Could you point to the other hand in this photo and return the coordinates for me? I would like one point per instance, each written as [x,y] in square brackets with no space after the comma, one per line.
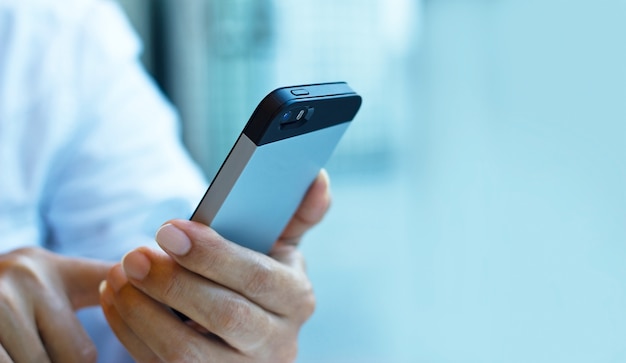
[39,293]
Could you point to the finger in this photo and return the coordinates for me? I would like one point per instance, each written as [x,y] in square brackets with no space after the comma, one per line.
[81,278]
[18,333]
[135,346]
[235,319]
[291,256]
[73,344]
[314,206]
[154,324]
[4,356]
[261,279]
[24,346]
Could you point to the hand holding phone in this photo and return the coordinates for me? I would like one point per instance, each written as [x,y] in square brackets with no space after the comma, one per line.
[258,188]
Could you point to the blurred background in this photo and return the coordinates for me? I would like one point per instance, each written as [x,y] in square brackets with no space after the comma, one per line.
[480,195]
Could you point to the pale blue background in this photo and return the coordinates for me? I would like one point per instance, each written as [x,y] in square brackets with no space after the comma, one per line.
[499,234]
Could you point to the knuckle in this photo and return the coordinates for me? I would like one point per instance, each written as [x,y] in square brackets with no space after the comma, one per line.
[174,356]
[173,289]
[308,301]
[8,301]
[89,353]
[211,249]
[260,280]
[232,316]
[21,266]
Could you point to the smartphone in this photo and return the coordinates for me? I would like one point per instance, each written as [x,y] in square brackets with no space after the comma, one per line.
[288,139]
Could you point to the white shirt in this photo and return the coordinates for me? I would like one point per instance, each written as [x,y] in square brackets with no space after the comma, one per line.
[90,159]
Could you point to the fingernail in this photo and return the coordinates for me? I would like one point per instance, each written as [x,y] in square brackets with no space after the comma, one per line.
[102,286]
[136,265]
[326,177]
[172,239]
[117,279]
[106,297]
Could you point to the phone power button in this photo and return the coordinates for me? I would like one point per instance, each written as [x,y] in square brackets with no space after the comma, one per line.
[299,92]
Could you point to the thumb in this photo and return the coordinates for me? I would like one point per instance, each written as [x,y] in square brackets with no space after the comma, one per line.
[312,209]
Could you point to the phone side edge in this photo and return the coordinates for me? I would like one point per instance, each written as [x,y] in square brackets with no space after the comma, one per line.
[224,180]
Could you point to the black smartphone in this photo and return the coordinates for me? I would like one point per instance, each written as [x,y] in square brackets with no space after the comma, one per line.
[288,139]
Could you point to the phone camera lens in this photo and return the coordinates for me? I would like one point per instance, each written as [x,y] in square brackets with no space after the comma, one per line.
[286,116]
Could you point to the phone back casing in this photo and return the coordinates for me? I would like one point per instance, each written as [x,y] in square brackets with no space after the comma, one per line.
[274,161]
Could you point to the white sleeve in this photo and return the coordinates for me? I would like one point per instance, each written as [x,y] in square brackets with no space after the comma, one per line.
[123,171]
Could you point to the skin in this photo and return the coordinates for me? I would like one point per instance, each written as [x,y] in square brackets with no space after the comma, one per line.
[39,293]
[244,306]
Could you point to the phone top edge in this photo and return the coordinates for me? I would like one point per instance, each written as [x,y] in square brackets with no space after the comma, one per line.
[313,90]
[333,103]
